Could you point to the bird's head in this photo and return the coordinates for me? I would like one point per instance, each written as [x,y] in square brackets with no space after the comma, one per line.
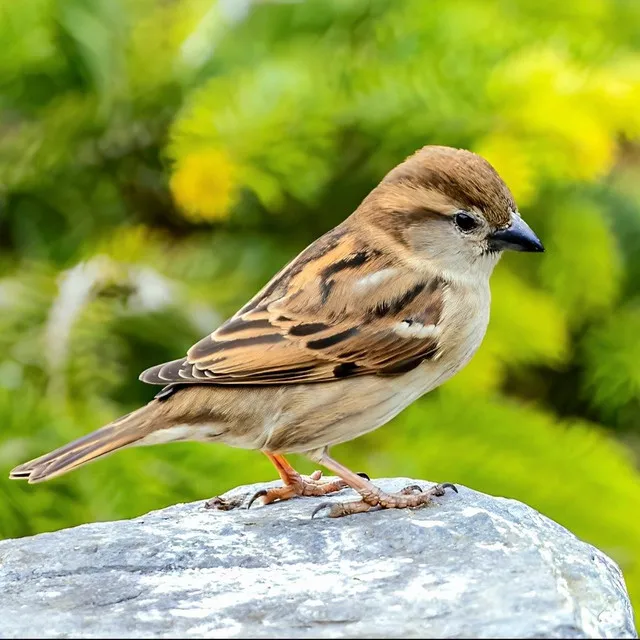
[451,208]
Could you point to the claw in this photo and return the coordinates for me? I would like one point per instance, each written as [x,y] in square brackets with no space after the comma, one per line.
[320,507]
[448,485]
[258,494]
[411,488]
[362,474]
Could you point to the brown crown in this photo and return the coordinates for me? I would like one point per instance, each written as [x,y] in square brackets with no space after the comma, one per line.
[463,177]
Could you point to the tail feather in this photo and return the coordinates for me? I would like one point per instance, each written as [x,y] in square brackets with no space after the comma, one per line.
[122,433]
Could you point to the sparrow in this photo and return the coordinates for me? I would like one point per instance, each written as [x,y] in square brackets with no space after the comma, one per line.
[380,310]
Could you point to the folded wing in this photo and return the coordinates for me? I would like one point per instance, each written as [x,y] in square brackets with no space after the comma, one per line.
[339,309]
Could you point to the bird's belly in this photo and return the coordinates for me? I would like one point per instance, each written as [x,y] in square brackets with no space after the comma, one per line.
[330,414]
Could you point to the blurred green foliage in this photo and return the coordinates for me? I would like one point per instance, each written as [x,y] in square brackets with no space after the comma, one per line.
[160,160]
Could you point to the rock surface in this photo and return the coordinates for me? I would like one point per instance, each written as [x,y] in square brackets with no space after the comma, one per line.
[472,566]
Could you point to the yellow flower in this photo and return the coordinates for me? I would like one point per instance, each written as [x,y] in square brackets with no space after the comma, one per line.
[204,184]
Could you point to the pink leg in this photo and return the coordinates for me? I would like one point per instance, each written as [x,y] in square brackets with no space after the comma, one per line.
[373,497]
[294,483]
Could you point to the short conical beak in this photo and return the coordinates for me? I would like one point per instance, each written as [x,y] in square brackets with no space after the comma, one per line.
[516,237]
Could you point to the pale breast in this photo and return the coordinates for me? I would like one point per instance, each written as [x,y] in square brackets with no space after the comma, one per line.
[464,324]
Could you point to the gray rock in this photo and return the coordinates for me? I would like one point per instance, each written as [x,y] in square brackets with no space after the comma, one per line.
[471,566]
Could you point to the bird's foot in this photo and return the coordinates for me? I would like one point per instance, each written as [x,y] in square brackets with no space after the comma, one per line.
[298,485]
[409,498]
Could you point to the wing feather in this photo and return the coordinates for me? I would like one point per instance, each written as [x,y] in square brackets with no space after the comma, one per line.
[329,314]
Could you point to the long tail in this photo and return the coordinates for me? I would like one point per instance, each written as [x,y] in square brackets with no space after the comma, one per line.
[124,432]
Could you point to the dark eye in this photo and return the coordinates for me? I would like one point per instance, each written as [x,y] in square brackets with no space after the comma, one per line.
[465,221]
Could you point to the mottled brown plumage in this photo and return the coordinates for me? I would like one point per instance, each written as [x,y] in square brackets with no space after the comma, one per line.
[375,313]
[307,325]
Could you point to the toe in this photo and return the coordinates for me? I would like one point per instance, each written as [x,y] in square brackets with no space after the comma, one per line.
[323,506]
[340,509]
[256,495]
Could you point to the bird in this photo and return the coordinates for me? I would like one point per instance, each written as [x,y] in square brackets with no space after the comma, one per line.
[375,313]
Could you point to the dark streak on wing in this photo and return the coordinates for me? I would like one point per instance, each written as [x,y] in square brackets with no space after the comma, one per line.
[350,262]
[355,260]
[308,328]
[325,289]
[345,369]
[329,341]
[397,305]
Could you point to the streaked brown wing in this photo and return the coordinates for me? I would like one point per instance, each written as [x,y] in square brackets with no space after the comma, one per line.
[329,314]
